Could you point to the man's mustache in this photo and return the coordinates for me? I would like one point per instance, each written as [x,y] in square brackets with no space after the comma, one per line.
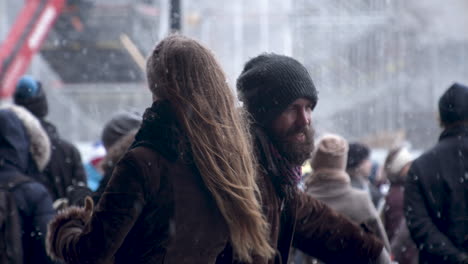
[306,130]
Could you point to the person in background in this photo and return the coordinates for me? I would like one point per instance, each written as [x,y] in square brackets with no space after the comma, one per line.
[280,96]
[396,167]
[436,188]
[65,173]
[185,191]
[113,155]
[94,172]
[24,148]
[114,130]
[358,167]
[330,184]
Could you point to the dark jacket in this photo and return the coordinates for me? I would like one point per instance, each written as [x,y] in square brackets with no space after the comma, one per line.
[65,170]
[403,248]
[393,211]
[155,208]
[299,220]
[32,198]
[404,251]
[436,199]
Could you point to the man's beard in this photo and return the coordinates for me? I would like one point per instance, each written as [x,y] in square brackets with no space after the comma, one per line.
[296,152]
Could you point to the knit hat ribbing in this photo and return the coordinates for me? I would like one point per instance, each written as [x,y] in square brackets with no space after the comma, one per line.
[331,153]
[271,82]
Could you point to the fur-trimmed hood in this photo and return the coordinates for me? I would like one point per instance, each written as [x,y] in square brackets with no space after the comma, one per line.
[40,147]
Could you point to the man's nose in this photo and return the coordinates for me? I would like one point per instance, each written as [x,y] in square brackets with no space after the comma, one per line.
[303,118]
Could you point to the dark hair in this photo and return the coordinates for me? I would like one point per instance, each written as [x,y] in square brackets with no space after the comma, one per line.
[357,153]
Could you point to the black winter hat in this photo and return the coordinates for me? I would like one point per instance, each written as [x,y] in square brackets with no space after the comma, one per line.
[357,153]
[271,82]
[453,104]
[30,95]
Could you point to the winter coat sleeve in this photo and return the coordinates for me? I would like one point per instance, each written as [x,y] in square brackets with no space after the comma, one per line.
[41,212]
[330,237]
[375,225]
[420,224]
[78,237]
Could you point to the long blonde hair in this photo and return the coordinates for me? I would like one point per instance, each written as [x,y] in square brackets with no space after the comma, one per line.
[186,74]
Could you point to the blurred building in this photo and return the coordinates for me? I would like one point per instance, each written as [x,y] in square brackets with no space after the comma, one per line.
[379,65]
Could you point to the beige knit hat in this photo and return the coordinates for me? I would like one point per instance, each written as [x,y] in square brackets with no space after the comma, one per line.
[331,153]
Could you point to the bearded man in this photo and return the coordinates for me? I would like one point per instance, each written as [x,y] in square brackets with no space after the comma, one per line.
[280,96]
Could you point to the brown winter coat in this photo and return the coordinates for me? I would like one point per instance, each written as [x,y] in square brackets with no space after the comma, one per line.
[299,220]
[155,208]
[152,211]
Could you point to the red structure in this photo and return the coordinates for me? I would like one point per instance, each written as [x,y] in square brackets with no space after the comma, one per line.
[24,40]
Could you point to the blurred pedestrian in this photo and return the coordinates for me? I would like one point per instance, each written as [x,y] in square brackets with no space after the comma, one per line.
[332,185]
[115,129]
[187,186]
[436,189]
[24,148]
[359,166]
[280,96]
[115,152]
[65,171]
[396,168]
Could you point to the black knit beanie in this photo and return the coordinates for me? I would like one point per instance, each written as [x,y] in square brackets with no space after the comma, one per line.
[30,95]
[357,153]
[271,82]
[453,104]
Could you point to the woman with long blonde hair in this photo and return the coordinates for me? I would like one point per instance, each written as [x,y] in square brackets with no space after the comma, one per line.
[186,190]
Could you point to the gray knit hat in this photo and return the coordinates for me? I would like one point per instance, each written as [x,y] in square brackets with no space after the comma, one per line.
[121,124]
[271,82]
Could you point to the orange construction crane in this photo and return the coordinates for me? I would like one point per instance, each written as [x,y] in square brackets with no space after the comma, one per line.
[25,39]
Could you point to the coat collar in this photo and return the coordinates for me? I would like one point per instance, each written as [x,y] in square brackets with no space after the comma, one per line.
[161,132]
[453,131]
[328,175]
